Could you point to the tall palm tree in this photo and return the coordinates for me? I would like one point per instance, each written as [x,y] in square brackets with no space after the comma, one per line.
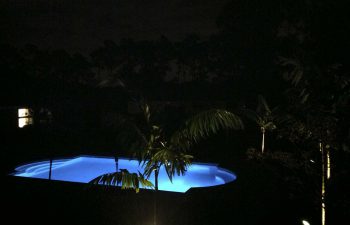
[155,149]
[319,96]
[264,117]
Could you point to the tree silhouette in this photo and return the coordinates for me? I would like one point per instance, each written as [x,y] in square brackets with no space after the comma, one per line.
[155,148]
[264,117]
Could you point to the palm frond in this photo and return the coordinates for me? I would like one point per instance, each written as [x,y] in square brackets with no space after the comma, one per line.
[130,135]
[269,126]
[146,111]
[297,72]
[262,105]
[251,115]
[204,124]
[174,162]
[124,178]
[264,117]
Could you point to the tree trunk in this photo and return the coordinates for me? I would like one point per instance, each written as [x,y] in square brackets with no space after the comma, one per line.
[51,151]
[156,173]
[323,183]
[116,163]
[50,170]
[263,140]
[328,162]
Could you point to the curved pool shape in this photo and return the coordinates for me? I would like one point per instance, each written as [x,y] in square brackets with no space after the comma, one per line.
[83,169]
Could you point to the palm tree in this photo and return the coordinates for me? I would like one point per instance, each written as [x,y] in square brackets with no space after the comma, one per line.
[264,117]
[155,149]
[319,96]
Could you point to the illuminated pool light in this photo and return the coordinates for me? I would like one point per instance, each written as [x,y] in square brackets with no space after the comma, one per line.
[83,169]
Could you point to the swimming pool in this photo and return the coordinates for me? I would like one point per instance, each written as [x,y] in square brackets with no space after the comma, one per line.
[83,169]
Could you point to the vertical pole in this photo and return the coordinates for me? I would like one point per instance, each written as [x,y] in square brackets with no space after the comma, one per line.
[263,140]
[156,172]
[52,143]
[116,163]
[323,186]
[328,162]
[50,171]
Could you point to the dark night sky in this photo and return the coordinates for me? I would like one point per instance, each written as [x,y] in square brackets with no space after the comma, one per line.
[78,25]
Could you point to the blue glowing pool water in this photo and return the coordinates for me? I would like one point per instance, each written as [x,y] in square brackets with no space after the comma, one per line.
[83,169]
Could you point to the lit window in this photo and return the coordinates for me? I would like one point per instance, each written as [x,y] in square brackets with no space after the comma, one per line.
[24,121]
[24,117]
[24,112]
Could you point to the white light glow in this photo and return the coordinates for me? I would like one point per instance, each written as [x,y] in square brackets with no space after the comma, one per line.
[23,112]
[328,165]
[305,222]
[24,121]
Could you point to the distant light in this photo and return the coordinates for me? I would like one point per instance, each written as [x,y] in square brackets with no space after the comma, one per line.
[23,112]
[305,222]
[24,121]
[311,160]
[24,117]
[328,165]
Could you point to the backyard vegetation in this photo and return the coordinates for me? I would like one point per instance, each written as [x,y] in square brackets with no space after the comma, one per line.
[156,150]
[265,98]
